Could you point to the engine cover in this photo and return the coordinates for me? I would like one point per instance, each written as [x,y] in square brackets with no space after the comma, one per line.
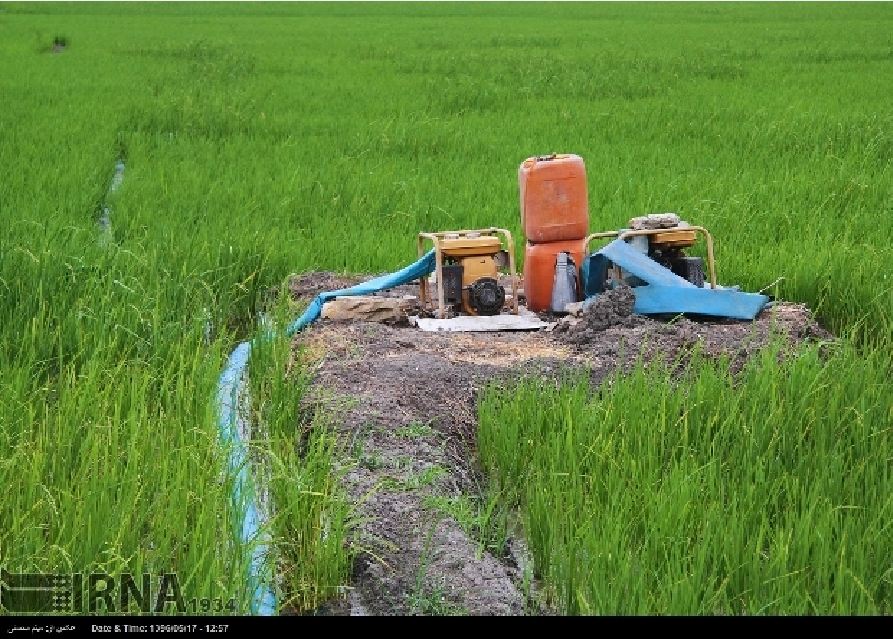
[486,296]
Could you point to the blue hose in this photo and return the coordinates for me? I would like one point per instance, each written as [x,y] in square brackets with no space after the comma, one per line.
[232,391]
[420,268]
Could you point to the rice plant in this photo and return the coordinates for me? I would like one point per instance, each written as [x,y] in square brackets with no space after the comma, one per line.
[764,494]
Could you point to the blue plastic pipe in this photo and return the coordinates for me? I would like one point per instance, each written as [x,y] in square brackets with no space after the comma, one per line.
[231,392]
[420,268]
[665,292]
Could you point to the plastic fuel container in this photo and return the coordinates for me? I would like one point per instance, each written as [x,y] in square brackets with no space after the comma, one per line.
[554,200]
[539,270]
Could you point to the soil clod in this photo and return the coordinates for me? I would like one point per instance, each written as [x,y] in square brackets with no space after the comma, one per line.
[611,308]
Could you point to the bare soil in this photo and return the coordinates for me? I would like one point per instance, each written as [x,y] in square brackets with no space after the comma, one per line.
[403,404]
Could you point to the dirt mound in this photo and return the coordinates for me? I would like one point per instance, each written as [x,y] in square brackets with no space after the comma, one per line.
[403,403]
[612,308]
[405,410]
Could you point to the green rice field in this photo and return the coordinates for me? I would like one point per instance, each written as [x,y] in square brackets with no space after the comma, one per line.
[261,140]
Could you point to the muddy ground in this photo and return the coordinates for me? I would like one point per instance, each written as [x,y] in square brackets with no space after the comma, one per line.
[403,403]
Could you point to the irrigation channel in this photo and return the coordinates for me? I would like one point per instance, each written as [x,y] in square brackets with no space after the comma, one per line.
[233,401]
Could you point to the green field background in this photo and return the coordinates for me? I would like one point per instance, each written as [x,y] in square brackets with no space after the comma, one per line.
[266,139]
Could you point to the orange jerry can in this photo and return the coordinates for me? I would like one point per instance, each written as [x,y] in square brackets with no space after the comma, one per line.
[554,200]
[539,270]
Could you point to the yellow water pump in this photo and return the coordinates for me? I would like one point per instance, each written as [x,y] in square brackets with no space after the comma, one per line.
[467,271]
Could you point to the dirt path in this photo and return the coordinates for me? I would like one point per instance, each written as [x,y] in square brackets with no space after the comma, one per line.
[404,407]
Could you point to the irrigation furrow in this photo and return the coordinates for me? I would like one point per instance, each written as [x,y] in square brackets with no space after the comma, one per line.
[105,218]
[234,403]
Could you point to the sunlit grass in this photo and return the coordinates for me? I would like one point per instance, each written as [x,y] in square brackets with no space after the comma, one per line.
[766,494]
